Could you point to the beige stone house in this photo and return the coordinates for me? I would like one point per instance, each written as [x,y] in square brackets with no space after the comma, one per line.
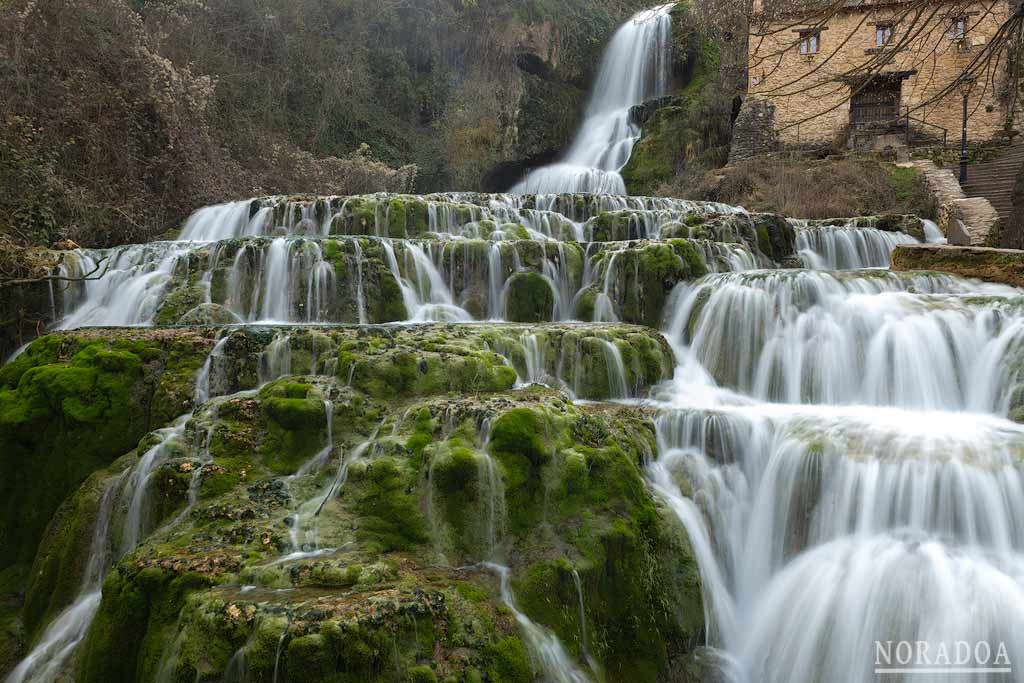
[871,67]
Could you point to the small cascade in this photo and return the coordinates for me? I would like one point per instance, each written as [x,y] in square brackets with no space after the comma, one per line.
[280,650]
[303,529]
[617,385]
[494,512]
[803,336]
[207,382]
[59,641]
[130,289]
[932,234]
[223,221]
[846,247]
[276,358]
[635,68]
[604,306]
[584,637]
[424,291]
[360,294]
[534,357]
[137,523]
[550,654]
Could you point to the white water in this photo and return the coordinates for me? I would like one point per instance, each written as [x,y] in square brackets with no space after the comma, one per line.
[842,247]
[864,502]
[932,233]
[548,652]
[874,339]
[635,68]
[59,641]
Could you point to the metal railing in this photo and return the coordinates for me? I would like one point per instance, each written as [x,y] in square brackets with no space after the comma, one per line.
[906,118]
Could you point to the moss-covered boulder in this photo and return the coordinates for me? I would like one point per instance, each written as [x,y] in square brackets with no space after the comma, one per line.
[529,298]
[636,278]
[397,592]
[71,404]
[776,238]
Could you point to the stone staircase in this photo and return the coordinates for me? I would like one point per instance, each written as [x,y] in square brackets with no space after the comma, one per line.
[994,180]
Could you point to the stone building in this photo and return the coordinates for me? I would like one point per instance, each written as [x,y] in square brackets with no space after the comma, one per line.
[804,88]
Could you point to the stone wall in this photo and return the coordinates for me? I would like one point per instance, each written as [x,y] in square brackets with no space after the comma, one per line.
[753,132]
[966,221]
[812,101]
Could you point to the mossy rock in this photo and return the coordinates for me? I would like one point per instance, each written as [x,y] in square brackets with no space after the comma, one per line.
[73,403]
[209,315]
[529,298]
[400,594]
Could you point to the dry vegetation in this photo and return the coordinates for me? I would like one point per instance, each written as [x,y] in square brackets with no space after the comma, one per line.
[119,117]
[811,188]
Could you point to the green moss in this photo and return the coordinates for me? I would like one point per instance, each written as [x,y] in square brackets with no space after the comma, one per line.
[134,624]
[177,302]
[529,298]
[387,507]
[520,432]
[405,373]
[64,420]
[508,662]
[420,674]
[296,430]
[309,659]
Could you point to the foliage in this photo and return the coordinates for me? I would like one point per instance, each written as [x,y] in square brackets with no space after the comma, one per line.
[120,117]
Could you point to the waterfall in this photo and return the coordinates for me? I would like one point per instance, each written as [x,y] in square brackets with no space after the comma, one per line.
[635,68]
[549,652]
[302,523]
[61,638]
[279,266]
[137,523]
[885,339]
[837,448]
[617,385]
[932,233]
[844,247]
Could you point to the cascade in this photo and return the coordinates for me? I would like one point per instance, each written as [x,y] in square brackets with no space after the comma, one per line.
[932,234]
[839,442]
[836,445]
[554,661]
[346,270]
[844,247]
[60,639]
[635,68]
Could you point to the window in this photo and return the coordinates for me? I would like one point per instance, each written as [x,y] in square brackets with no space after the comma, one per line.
[958,30]
[883,34]
[809,42]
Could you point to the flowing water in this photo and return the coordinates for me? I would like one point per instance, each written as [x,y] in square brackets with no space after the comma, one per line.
[836,445]
[837,439]
[551,657]
[59,641]
[635,68]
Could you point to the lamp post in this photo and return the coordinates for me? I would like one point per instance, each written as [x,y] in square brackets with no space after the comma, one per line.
[964,83]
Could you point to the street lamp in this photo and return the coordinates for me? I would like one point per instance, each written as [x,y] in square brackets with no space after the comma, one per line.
[964,83]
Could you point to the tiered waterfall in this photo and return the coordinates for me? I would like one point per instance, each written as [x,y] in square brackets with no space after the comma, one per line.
[466,436]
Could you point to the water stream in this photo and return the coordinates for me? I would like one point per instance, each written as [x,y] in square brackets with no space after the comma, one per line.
[836,446]
[837,439]
[635,68]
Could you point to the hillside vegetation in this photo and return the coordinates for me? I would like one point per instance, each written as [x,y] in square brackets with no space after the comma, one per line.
[119,118]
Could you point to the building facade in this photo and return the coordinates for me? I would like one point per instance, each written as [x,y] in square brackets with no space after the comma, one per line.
[878,67]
